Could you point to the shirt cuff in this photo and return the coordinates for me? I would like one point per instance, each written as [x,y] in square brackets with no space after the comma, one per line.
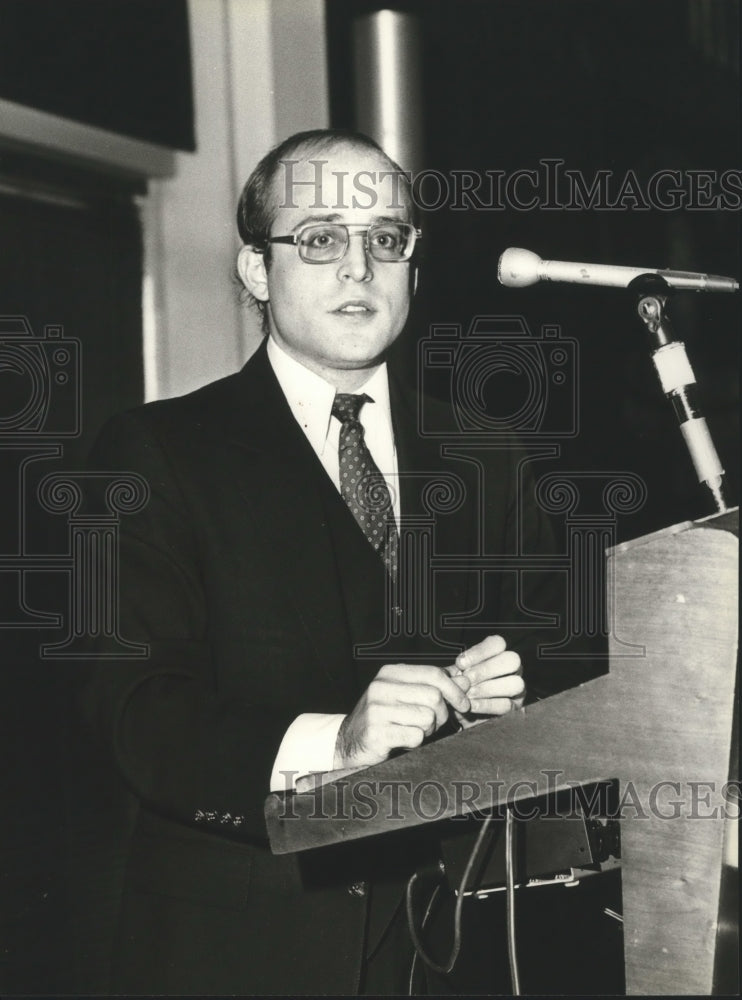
[308,745]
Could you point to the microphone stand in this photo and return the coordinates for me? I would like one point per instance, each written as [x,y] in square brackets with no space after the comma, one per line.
[678,382]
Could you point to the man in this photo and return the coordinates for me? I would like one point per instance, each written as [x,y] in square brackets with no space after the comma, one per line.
[259,577]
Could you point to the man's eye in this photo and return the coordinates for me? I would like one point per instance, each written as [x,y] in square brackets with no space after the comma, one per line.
[385,239]
[320,240]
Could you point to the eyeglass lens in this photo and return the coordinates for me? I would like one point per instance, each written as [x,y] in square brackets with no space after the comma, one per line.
[328,242]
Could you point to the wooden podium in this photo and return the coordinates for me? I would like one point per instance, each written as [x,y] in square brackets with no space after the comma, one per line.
[661,722]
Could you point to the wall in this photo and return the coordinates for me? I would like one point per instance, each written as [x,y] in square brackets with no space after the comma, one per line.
[259,70]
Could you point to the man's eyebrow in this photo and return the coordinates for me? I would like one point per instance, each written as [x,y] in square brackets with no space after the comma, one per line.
[308,220]
[388,218]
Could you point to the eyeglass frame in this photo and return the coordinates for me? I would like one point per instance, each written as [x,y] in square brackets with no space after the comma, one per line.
[295,238]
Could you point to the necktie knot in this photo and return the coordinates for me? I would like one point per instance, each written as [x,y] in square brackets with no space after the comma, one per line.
[347,405]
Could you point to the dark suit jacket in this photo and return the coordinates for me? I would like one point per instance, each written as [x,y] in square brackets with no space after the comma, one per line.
[251,583]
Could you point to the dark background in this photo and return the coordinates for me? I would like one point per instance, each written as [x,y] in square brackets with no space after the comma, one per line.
[122,65]
[70,254]
[612,86]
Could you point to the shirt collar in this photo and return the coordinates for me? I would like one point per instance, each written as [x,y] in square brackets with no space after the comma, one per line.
[310,397]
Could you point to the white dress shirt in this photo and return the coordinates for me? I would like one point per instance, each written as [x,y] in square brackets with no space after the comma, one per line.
[309,742]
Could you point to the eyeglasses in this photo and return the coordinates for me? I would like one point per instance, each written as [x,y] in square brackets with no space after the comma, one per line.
[325,242]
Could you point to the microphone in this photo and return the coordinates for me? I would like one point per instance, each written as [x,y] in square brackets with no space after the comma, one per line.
[518,268]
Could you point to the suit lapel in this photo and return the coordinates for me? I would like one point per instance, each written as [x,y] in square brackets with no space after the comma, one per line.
[282,481]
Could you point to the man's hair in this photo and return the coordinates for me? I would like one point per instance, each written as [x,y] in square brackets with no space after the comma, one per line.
[258,204]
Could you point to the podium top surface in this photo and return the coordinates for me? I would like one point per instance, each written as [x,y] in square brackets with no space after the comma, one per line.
[727,520]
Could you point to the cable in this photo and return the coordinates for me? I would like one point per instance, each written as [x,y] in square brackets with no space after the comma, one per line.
[510,884]
[415,956]
[448,967]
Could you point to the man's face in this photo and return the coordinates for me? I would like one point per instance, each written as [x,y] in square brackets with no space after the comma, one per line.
[337,317]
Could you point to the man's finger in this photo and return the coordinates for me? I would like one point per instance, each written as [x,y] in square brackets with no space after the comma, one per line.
[384,718]
[496,666]
[492,706]
[405,726]
[492,645]
[509,686]
[459,678]
[436,677]
[389,702]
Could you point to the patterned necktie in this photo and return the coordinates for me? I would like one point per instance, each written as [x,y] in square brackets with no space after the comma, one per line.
[362,486]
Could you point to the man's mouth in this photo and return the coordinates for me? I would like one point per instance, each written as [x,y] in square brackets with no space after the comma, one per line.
[355,308]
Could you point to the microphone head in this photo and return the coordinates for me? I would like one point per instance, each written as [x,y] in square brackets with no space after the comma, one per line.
[518,268]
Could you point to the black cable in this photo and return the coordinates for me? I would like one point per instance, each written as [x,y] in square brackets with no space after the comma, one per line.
[415,956]
[448,967]
[510,885]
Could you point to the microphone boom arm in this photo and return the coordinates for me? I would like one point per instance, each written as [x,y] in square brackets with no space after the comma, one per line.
[519,268]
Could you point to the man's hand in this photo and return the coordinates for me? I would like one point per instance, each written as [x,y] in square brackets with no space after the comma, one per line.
[402,706]
[490,674]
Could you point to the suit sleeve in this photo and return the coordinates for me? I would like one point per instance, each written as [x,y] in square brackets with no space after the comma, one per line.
[185,749]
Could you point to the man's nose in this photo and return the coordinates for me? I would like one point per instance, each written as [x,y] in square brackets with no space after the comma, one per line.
[356,264]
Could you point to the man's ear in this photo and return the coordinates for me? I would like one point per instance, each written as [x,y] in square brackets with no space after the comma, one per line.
[252,272]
